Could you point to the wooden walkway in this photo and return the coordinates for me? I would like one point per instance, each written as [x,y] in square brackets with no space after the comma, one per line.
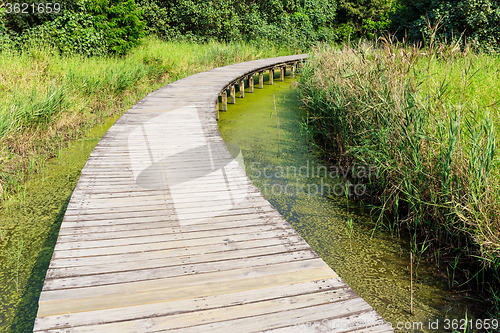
[165,232]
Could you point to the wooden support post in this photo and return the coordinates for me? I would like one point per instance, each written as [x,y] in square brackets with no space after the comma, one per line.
[217,108]
[271,75]
[250,82]
[282,73]
[242,88]
[292,70]
[224,100]
[232,95]
[261,80]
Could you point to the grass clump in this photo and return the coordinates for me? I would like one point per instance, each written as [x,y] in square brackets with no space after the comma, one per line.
[49,98]
[427,118]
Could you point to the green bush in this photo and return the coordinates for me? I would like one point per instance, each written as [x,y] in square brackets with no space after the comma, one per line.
[4,36]
[88,27]
[290,22]
[476,20]
[17,23]
[363,18]
[70,33]
[157,18]
[119,21]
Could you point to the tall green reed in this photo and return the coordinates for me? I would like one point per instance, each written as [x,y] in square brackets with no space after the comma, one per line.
[432,137]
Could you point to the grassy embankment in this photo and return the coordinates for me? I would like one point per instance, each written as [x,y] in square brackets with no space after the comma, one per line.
[428,120]
[49,99]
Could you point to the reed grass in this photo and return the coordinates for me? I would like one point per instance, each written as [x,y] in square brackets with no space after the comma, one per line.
[427,118]
[15,255]
[48,98]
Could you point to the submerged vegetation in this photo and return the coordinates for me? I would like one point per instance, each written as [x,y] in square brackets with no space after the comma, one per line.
[428,119]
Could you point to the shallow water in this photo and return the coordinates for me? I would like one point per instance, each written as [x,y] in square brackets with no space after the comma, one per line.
[282,164]
[32,220]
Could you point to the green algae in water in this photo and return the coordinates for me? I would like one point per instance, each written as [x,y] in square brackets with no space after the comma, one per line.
[34,218]
[377,267]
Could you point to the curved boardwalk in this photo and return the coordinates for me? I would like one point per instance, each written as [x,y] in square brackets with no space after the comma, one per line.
[165,232]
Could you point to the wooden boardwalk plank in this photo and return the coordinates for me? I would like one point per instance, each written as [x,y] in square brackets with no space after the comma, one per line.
[176,254]
[165,232]
[190,304]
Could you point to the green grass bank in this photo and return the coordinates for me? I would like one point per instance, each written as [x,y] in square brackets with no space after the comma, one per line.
[428,120]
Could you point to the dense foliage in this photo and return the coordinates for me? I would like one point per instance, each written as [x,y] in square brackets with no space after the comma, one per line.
[363,18]
[89,27]
[95,27]
[293,22]
[20,22]
[92,27]
[477,21]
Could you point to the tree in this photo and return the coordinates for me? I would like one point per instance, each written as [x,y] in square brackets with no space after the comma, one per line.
[476,20]
[119,21]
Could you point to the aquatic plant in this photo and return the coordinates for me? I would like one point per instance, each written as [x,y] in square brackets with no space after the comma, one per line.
[15,254]
[350,227]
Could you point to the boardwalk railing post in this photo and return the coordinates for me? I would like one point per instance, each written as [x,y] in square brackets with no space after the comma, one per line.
[242,88]
[271,75]
[224,100]
[232,95]
[217,108]
[250,82]
[261,80]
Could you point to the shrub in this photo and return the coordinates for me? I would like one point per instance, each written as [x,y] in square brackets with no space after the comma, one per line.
[268,21]
[88,27]
[157,18]
[4,35]
[17,23]
[119,21]
[363,18]
[70,33]
[477,20]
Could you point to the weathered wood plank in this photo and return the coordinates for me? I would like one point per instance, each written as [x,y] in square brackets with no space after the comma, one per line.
[291,243]
[151,273]
[232,240]
[340,300]
[190,286]
[77,231]
[74,271]
[161,236]
[189,305]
